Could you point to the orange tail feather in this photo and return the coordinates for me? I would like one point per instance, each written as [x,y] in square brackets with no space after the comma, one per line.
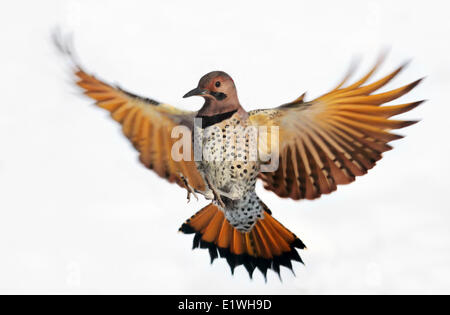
[268,245]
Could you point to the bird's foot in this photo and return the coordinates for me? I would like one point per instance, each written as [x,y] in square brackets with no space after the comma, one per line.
[190,190]
[189,193]
[215,192]
[233,194]
[208,194]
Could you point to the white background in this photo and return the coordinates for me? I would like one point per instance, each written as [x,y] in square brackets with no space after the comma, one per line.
[79,214]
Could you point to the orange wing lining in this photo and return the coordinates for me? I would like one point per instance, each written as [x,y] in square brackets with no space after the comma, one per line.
[335,138]
[148,130]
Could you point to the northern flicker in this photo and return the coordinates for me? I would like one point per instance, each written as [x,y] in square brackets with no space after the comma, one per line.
[321,143]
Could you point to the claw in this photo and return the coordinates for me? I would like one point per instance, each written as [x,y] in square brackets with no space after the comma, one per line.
[212,193]
[215,192]
[189,193]
[233,195]
[190,190]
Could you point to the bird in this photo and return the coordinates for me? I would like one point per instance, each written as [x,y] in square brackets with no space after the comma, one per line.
[319,144]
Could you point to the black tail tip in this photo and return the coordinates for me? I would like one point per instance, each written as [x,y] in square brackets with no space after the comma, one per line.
[250,263]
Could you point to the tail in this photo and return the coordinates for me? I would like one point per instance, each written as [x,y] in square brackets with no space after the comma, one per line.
[268,245]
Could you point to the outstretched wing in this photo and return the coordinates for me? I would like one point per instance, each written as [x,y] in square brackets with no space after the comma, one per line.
[334,138]
[146,123]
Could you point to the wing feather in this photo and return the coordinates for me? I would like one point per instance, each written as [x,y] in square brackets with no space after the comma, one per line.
[147,124]
[336,137]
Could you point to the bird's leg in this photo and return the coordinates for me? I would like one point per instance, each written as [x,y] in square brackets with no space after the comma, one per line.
[215,192]
[208,194]
[189,188]
[233,194]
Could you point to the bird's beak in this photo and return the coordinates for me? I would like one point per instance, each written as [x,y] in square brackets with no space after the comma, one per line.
[196,91]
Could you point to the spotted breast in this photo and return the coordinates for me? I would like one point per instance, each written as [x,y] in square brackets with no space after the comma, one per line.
[229,164]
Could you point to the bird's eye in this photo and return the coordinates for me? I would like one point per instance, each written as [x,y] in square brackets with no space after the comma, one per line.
[217,83]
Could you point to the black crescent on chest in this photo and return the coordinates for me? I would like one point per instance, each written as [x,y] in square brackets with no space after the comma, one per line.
[208,121]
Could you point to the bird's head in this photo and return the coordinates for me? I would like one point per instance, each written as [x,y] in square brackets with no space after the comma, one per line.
[219,92]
